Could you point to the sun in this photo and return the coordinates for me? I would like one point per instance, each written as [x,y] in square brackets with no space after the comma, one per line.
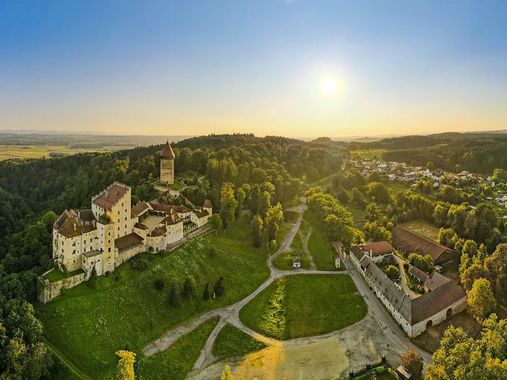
[328,86]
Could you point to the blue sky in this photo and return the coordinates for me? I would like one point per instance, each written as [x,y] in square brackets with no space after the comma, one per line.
[197,67]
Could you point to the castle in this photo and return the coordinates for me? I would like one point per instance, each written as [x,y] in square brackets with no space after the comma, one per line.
[97,240]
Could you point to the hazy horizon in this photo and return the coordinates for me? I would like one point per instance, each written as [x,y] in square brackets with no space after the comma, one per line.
[283,67]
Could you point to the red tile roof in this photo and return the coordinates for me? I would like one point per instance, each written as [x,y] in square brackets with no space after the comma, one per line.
[378,248]
[109,197]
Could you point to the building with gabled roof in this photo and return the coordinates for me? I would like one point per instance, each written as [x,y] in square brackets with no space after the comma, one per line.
[408,241]
[414,315]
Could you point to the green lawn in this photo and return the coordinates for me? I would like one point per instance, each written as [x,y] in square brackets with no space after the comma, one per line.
[284,261]
[304,305]
[57,275]
[422,228]
[319,246]
[232,342]
[90,324]
[175,362]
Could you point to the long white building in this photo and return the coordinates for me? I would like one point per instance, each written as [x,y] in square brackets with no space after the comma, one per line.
[443,299]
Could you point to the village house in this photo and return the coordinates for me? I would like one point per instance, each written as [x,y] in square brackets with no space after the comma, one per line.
[417,314]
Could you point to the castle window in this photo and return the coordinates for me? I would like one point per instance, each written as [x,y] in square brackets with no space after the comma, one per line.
[109,249]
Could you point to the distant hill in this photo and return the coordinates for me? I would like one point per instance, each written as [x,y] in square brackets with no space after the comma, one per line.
[479,152]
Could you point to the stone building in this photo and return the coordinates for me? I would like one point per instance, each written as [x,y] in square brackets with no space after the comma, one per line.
[413,314]
[96,241]
[167,165]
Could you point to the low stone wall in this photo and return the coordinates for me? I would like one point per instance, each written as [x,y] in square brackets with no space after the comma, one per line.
[46,290]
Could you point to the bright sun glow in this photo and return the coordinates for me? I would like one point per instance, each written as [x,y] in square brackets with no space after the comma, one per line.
[328,86]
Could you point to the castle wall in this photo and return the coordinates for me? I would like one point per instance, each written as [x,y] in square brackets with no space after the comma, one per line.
[174,233]
[128,254]
[46,290]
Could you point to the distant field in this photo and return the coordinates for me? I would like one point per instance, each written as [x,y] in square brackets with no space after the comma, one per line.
[367,153]
[422,228]
[39,151]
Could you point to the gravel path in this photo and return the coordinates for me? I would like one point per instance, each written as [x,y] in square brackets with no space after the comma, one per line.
[389,339]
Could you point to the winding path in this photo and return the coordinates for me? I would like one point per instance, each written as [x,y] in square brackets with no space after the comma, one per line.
[230,314]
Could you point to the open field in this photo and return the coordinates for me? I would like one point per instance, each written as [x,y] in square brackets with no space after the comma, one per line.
[89,324]
[232,342]
[304,305]
[39,151]
[177,361]
[422,228]
[319,246]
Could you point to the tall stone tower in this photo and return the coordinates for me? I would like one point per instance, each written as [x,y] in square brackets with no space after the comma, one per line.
[167,165]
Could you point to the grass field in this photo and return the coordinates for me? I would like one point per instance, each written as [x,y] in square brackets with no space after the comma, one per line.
[39,151]
[304,305]
[232,342]
[367,154]
[422,228]
[90,324]
[319,246]
[177,360]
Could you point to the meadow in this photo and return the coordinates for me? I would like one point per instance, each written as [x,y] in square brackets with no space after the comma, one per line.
[232,342]
[319,246]
[124,309]
[304,305]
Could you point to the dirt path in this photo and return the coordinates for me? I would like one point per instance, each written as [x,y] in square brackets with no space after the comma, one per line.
[305,240]
[230,312]
[364,340]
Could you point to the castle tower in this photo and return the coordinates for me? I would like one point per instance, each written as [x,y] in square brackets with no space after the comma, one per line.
[167,165]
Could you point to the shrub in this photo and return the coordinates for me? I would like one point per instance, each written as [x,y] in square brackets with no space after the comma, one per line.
[138,263]
[174,296]
[218,289]
[159,284]
[188,288]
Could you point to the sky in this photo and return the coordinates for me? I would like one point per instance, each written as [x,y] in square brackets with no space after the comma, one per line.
[272,67]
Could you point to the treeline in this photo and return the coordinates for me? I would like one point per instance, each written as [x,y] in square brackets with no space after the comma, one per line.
[238,172]
[336,218]
[479,153]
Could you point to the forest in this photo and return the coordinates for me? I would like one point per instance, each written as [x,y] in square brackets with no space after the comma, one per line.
[33,192]
[475,152]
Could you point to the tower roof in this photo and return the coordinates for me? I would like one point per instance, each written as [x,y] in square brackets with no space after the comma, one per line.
[167,151]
